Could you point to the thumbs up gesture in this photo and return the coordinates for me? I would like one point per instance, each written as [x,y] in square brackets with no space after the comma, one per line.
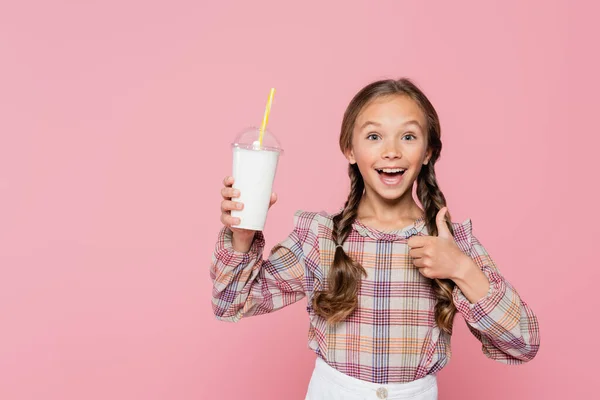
[438,257]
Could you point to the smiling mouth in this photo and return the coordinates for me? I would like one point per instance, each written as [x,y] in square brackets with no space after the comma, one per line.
[390,173]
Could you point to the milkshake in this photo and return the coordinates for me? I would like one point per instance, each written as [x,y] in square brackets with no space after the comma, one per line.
[254,167]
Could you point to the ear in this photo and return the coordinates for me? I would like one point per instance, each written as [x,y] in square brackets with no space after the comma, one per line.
[427,156]
[350,156]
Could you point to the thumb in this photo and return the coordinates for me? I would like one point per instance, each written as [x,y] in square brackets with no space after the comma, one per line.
[273,199]
[440,221]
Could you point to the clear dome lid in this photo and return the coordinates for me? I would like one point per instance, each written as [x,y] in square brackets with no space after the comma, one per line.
[249,139]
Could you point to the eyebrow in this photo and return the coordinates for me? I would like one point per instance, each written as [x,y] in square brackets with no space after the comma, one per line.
[411,122]
[369,123]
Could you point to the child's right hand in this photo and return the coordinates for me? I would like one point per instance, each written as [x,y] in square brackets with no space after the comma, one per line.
[228,193]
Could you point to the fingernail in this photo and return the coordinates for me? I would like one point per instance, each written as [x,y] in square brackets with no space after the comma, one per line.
[238,206]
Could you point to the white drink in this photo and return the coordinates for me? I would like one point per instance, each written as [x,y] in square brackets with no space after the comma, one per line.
[253,173]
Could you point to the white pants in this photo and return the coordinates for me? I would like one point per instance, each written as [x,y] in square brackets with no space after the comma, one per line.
[328,383]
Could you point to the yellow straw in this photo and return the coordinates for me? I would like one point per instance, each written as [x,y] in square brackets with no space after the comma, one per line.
[266,117]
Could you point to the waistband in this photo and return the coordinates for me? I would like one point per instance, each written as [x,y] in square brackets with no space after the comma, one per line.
[331,374]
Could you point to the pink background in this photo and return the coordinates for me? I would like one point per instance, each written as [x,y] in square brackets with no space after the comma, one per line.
[115,122]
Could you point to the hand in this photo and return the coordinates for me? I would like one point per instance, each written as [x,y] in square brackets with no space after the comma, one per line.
[228,193]
[437,257]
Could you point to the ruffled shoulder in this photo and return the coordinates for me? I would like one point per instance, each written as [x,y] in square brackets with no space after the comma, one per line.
[463,234]
[307,219]
[307,225]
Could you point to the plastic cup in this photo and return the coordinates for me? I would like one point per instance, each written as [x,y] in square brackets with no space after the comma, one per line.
[254,168]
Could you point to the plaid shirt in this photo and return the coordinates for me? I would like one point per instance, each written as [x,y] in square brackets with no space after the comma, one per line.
[391,337]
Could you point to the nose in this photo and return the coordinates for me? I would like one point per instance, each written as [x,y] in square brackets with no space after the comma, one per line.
[391,151]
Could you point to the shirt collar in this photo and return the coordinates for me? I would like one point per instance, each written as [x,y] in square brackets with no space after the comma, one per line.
[462,231]
[413,229]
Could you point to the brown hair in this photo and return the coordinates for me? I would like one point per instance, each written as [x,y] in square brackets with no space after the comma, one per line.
[341,298]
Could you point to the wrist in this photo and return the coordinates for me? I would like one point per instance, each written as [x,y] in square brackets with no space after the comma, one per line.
[471,281]
[241,242]
[464,269]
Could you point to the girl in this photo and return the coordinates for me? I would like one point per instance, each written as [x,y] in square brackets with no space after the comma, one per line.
[383,277]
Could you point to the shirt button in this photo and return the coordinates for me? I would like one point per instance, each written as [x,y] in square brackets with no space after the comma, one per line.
[382,393]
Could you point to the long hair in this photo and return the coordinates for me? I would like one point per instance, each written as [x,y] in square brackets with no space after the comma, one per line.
[341,297]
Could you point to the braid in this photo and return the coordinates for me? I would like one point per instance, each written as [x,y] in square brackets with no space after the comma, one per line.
[342,222]
[433,200]
[341,298]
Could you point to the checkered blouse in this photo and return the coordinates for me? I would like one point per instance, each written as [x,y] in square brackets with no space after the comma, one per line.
[392,336]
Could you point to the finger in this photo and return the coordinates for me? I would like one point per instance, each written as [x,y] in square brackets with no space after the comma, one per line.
[422,263]
[273,199]
[426,272]
[224,219]
[228,205]
[229,193]
[228,220]
[417,241]
[417,253]
[228,181]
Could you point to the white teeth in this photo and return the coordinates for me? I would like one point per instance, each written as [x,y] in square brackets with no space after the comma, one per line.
[391,171]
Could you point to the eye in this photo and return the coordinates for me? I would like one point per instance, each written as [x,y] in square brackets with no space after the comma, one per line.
[372,135]
[410,134]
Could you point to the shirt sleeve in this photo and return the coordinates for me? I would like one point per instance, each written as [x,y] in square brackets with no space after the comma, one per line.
[504,324]
[245,284]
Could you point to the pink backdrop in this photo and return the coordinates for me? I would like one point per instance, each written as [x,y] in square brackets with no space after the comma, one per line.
[115,123]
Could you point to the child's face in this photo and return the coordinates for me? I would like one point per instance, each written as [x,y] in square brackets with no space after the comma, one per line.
[390,133]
